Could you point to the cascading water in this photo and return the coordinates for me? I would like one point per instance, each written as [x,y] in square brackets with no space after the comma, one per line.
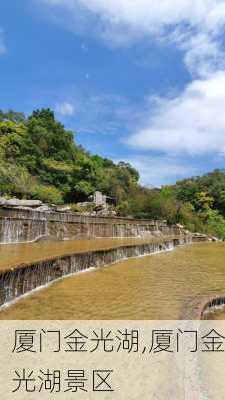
[18,281]
[16,231]
[26,226]
[213,305]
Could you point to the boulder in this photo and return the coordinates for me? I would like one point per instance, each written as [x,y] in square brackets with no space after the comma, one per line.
[100,207]
[44,208]
[84,204]
[63,209]
[180,226]
[20,203]
[214,239]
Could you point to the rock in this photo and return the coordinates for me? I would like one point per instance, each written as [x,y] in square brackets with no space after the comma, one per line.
[22,208]
[200,237]
[101,207]
[63,209]
[53,206]
[113,213]
[106,213]
[180,226]
[2,201]
[44,208]
[84,204]
[20,203]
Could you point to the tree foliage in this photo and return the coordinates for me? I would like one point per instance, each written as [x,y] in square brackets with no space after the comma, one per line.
[39,159]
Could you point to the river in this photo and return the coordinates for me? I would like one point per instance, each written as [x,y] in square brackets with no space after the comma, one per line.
[172,285]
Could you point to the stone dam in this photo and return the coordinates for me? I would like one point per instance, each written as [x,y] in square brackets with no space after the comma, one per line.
[37,248]
[21,225]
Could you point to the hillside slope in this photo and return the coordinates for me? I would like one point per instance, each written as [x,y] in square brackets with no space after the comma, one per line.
[39,159]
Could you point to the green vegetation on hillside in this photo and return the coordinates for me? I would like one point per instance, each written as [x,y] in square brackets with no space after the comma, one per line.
[198,203]
[39,159]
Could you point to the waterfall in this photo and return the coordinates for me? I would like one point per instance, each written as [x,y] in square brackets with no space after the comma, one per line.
[26,226]
[18,281]
[18,231]
[213,305]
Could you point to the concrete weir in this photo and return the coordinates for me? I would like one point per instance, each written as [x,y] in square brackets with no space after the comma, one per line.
[22,225]
[24,269]
[21,279]
[212,305]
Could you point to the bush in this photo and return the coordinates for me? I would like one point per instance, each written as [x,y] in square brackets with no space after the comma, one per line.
[47,194]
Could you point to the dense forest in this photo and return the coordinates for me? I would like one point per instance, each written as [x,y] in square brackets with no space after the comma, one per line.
[39,159]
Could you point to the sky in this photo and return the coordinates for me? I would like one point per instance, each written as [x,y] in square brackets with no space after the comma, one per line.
[141,81]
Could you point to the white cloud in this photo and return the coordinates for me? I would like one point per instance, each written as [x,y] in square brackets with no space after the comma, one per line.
[3,48]
[156,171]
[192,123]
[203,55]
[65,108]
[151,16]
[119,22]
